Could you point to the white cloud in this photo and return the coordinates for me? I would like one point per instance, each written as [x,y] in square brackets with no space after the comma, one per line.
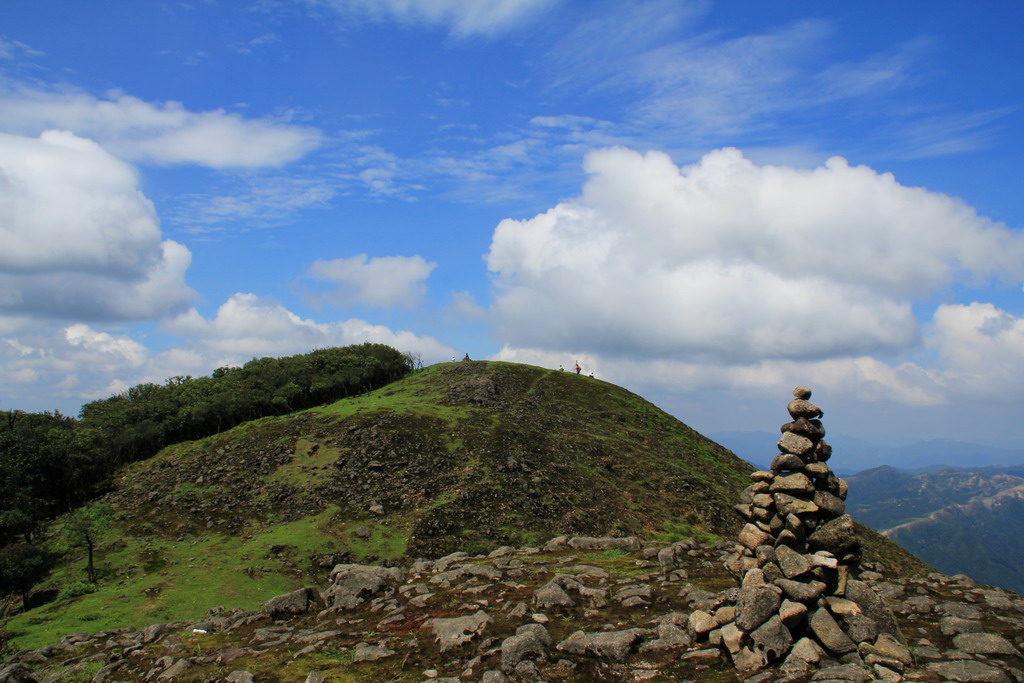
[981,348]
[80,239]
[54,363]
[162,133]
[465,17]
[463,306]
[247,326]
[64,365]
[863,377]
[737,263]
[386,281]
[123,350]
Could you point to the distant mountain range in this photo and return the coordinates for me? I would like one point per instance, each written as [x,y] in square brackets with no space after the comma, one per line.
[960,522]
[852,454]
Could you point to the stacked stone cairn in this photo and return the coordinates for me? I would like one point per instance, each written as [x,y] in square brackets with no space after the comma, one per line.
[800,602]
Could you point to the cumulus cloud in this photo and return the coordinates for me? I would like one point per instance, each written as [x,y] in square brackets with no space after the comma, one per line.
[385,281]
[463,306]
[863,377]
[465,17]
[83,362]
[80,239]
[162,133]
[51,363]
[981,348]
[736,263]
[246,326]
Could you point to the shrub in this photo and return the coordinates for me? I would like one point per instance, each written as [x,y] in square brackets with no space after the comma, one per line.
[76,589]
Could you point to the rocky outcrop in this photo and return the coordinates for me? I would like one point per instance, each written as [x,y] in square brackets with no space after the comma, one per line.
[633,618]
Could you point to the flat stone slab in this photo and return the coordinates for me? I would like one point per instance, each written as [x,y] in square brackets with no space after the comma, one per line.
[967,671]
[983,644]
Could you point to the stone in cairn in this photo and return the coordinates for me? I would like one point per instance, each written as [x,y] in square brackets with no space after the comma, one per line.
[799,599]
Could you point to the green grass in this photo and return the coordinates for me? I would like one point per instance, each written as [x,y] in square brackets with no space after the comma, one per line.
[384,542]
[301,470]
[163,580]
[678,531]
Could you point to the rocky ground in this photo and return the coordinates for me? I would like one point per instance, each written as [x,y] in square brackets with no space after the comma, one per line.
[575,610]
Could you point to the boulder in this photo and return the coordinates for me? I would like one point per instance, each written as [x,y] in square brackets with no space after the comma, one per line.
[984,644]
[515,649]
[800,591]
[552,595]
[836,536]
[370,653]
[791,562]
[612,645]
[455,631]
[797,482]
[669,637]
[800,407]
[755,605]
[771,640]
[873,607]
[829,634]
[966,671]
[296,602]
[795,444]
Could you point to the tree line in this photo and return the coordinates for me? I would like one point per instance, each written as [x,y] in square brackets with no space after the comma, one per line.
[51,464]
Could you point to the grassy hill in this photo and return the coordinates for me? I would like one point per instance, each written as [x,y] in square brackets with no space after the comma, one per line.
[460,456]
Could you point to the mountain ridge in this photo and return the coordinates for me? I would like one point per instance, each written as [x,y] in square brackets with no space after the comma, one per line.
[959,521]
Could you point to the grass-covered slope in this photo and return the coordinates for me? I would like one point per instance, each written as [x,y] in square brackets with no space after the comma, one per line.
[462,456]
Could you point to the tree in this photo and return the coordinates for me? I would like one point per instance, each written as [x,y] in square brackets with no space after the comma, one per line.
[21,567]
[84,527]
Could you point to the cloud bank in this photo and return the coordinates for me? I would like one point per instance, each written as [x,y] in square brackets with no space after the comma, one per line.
[729,271]
[82,361]
[80,240]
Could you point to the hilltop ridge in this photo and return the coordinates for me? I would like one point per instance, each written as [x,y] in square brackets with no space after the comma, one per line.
[465,456]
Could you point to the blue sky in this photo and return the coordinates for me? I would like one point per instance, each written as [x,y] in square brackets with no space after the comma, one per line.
[708,203]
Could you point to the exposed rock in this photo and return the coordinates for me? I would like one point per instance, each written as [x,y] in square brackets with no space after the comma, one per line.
[830,634]
[353,584]
[966,671]
[371,653]
[669,637]
[613,645]
[772,640]
[983,644]
[296,602]
[755,605]
[516,648]
[455,631]
[629,543]
[552,595]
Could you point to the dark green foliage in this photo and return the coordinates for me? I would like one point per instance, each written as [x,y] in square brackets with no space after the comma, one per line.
[140,421]
[51,464]
[83,529]
[21,566]
[39,468]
